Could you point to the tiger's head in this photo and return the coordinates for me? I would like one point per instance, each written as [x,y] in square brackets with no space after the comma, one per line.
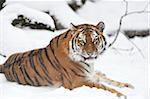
[87,41]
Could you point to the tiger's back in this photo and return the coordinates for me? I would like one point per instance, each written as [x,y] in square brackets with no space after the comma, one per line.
[30,68]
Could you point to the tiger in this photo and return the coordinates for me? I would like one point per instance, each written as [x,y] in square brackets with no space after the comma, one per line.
[65,61]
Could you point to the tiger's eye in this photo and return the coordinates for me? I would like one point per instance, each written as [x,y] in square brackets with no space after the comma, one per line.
[96,40]
[81,42]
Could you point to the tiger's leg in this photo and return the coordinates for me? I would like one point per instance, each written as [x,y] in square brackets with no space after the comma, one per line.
[103,78]
[101,86]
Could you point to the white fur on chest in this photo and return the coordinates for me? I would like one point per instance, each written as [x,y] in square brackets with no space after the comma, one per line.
[91,69]
[91,76]
[88,64]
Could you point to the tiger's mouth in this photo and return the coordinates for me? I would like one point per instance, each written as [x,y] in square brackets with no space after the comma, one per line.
[89,58]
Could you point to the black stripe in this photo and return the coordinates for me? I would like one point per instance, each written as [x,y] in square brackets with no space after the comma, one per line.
[85,63]
[57,40]
[97,32]
[13,68]
[23,55]
[23,75]
[50,82]
[55,62]
[19,60]
[79,68]
[17,78]
[10,69]
[104,43]
[28,77]
[41,60]
[66,35]
[74,40]
[77,73]
[67,75]
[43,65]
[33,67]
[101,38]
[58,61]
[15,75]
[72,45]
[11,63]
[38,84]
[75,43]
[15,59]
[8,76]
[66,71]
[104,40]
[10,59]
[30,54]
[62,79]
[83,68]
[83,30]
[47,56]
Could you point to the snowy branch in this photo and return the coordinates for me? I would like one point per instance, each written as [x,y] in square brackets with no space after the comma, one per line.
[126,13]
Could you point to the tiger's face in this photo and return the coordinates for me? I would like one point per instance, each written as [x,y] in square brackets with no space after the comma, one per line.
[87,40]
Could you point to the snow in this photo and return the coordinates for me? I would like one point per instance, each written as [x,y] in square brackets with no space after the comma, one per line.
[65,12]
[106,11]
[13,10]
[126,66]
[7,15]
[59,9]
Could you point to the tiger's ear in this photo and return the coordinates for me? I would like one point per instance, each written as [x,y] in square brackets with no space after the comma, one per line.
[72,26]
[100,26]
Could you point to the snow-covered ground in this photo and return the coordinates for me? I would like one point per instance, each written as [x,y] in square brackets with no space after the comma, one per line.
[124,63]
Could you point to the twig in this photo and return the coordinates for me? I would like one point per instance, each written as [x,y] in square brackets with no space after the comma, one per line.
[126,11]
[120,24]
[2,55]
[124,15]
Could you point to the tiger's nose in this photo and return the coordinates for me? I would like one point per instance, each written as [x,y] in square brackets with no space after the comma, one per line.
[90,45]
[90,53]
[90,48]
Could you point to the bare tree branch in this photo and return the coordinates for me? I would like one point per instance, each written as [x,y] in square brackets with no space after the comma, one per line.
[126,10]
[126,13]
[3,55]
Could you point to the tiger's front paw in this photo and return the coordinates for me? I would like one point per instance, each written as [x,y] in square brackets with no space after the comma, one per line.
[122,97]
[127,85]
